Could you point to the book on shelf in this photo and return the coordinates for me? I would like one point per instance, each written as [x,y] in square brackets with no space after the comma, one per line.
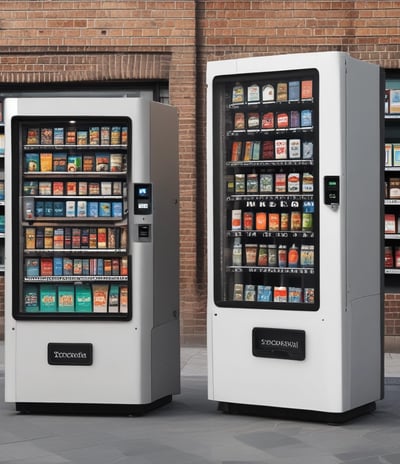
[100,266]
[85,267]
[268,150]
[94,188]
[390,223]
[70,136]
[116,266]
[123,299]
[46,267]
[115,135]
[102,162]
[124,135]
[100,298]
[66,298]
[58,266]
[2,144]
[83,299]
[58,136]
[107,266]
[58,240]
[71,188]
[45,188]
[74,163]
[111,237]
[105,135]
[236,150]
[294,90]
[59,162]
[85,237]
[396,154]
[117,188]
[115,162]
[32,162]
[81,208]
[113,298]
[32,268]
[30,238]
[307,89]
[67,237]
[58,188]
[94,135]
[124,266]
[40,238]
[70,208]
[308,150]
[81,137]
[33,136]
[93,238]
[104,209]
[31,298]
[31,187]
[281,91]
[93,208]
[82,188]
[388,154]
[67,266]
[46,136]
[77,267]
[101,237]
[59,208]
[76,237]
[49,208]
[394,101]
[88,163]
[106,188]
[48,237]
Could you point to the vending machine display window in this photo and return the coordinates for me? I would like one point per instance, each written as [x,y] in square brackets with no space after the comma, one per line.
[266,151]
[70,175]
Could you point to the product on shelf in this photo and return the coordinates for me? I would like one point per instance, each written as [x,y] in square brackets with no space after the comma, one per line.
[269,169]
[74,185]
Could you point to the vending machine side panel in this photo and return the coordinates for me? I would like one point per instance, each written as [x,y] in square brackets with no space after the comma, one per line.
[164,172]
[10,346]
[363,324]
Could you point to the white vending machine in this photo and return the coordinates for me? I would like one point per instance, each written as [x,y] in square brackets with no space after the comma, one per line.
[92,277]
[295,311]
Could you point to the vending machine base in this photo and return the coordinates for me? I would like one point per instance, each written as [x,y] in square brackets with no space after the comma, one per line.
[296,414]
[92,409]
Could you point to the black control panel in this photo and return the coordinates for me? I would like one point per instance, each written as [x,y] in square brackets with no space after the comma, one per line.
[143,199]
[331,188]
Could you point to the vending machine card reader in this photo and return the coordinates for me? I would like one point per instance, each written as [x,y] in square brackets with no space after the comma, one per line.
[331,187]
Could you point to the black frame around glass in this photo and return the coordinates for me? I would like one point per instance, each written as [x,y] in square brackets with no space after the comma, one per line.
[19,127]
[251,278]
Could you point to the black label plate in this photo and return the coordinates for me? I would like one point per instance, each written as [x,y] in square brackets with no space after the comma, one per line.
[70,354]
[279,343]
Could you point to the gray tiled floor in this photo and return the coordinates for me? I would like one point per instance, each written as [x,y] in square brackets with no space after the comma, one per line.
[191,430]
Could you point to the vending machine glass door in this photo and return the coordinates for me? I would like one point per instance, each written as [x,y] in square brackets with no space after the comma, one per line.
[266,199]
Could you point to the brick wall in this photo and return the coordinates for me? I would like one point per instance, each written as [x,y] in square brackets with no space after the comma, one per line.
[368,30]
[55,40]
